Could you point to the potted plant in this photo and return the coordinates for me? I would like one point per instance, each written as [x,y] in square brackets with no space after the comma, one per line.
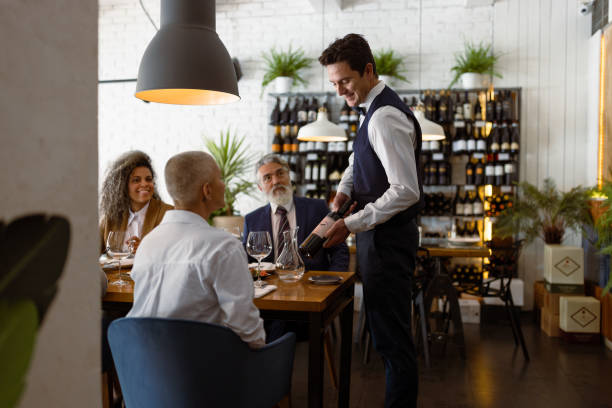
[284,67]
[473,64]
[544,213]
[548,213]
[603,225]
[234,160]
[388,66]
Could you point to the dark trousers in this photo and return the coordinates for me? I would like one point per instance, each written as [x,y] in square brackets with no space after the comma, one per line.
[386,256]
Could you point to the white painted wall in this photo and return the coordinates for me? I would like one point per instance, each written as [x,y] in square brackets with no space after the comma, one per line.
[48,135]
[545,46]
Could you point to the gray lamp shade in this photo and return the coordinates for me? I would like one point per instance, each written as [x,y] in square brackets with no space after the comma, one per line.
[186,63]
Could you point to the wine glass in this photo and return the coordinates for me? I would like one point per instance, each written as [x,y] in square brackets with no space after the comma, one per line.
[259,245]
[115,249]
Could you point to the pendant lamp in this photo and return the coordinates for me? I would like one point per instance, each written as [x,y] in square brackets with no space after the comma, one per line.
[322,130]
[186,63]
[430,131]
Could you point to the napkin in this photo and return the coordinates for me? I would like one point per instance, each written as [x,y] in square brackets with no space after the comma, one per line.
[259,292]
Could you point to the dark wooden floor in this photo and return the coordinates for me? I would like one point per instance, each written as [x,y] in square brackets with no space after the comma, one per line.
[494,374]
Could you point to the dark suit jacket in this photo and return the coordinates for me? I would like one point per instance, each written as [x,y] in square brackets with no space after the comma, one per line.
[308,213]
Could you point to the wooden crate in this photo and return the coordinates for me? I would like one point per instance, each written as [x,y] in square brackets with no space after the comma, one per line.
[549,322]
[606,313]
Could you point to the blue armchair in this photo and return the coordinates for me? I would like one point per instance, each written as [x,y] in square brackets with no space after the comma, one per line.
[181,363]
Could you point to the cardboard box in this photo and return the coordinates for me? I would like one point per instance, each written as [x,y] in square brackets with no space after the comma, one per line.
[549,323]
[538,294]
[563,265]
[579,314]
[470,310]
[606,314]
[551,301]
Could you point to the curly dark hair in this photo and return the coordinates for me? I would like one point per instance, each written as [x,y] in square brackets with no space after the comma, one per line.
[114,196]
[352,49]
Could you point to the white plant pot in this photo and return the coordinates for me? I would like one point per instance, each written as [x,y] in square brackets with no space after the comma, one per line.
[283,84]
[472,80]
[387,80]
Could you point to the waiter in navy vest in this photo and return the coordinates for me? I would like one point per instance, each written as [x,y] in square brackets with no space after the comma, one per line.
[383,178]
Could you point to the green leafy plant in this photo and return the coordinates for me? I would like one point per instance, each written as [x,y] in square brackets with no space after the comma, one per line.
[33,250]
[475,58]
[234,160]
[544,213]
[285,63]
[387,63]
[603,226]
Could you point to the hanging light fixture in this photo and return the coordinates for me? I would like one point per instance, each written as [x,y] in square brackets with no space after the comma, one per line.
[430,131]
[186,63]
[322,130]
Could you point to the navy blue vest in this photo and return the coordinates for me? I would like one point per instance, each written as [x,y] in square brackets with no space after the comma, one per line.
[369,176]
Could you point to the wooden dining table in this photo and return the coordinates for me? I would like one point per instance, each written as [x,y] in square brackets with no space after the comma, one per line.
[315,304]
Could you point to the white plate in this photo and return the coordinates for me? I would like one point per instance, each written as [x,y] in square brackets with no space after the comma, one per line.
[464,241]
[325,279]
[265,266]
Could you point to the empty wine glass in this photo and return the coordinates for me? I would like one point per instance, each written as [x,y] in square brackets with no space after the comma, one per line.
[115,249]
[259,245]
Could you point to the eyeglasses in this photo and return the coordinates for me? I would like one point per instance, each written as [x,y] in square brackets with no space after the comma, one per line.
[280,173]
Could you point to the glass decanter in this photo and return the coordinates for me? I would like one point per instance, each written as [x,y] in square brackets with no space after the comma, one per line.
[289,264]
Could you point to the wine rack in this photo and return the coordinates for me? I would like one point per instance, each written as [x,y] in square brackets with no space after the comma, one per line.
[468,177]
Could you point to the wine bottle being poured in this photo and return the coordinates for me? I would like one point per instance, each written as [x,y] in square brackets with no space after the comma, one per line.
[314,242]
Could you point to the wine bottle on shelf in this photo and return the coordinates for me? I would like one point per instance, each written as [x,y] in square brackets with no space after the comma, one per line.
[477,205]
[459,143]
[514,138]
[312,110]
[308,172]
[443,173]
[499,109]
[314,242]
[504,146]
[481,142]
[315,172]
[458,203]
[277,142]
[499,173]
[469,173]
[468,208]
[470,145]
[507,113]
[467,108]
[478,109]
[490,173]
[302,116]
[509,173]
[479,173]
[442,107]
[490,109]
[433,173]
[323,171]
[284,120]
[344,113]
[494,144]
[275,115]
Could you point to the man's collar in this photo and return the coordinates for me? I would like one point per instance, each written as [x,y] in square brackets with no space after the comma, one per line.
[287,207]
[377,89]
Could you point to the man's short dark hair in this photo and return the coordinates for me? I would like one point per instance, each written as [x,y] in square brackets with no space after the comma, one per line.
[352,49]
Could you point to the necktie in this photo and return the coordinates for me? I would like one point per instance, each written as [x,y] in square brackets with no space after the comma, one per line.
[282,226]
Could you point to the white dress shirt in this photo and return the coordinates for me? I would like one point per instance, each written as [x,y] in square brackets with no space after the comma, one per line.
[276,223]
[392,138]
[135,223]
[187,269]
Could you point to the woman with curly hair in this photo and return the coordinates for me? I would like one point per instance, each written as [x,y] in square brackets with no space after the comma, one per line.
[128,200]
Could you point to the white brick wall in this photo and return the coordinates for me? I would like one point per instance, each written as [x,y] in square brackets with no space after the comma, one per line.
[248,28]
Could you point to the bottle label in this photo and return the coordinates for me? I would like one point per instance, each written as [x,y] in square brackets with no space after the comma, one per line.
[324,226]
[514,146]
[478,210]
[509,168]
[468,209]
[459,209]
[481,145]
[490,170]
[505,146]
[459,123]
[494,147]
[471,145]
[276,148]
[499,170]
[460,145]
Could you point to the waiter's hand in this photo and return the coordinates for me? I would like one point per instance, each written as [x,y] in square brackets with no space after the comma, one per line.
[339,199]
[336,234]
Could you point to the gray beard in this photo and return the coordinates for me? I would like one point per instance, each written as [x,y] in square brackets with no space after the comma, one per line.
[280,198]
